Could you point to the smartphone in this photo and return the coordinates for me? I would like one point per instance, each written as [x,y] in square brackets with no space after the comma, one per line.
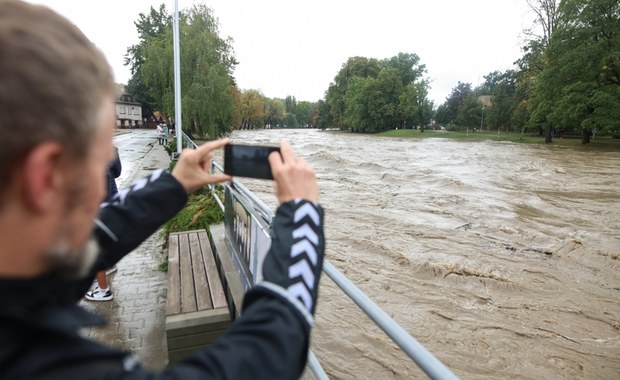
[248,160]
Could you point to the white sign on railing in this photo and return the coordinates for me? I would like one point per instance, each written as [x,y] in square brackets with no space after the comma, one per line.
[248,235]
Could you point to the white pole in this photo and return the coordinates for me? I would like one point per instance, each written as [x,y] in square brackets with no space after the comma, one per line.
[177,78]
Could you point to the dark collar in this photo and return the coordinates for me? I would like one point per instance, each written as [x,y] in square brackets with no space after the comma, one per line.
[48,301]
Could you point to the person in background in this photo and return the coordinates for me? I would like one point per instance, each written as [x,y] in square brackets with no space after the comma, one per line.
[100,291]
[159,131]
[164,134]
[57,101]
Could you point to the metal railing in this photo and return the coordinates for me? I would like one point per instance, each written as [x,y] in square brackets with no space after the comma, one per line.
[237,194]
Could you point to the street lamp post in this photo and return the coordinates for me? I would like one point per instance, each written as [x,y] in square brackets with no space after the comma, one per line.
[482,118]
[177,78]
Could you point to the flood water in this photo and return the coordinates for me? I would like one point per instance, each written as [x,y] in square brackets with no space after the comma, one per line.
[502,259]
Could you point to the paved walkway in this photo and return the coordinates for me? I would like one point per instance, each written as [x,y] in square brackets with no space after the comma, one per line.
[136,315]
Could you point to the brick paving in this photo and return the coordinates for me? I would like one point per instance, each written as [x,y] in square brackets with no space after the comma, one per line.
[136,315]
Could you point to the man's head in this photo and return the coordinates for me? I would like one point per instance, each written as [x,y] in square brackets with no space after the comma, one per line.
[56,126]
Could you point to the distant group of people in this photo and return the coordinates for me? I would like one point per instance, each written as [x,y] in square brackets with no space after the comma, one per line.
[162,133]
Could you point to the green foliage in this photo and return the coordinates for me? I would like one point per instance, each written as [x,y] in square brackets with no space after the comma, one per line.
[151,26]
[323,118]
[305,113]
[274,112]
[290,121]
[502,88]
[470,113]
[201,211]
[579,88]
[207,63]
[253,110]
[456,99]
[370,95]
[171,147]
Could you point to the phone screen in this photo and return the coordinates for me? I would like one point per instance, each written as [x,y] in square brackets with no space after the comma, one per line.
[248,160]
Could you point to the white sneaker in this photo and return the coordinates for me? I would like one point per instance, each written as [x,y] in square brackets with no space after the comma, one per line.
[98,295]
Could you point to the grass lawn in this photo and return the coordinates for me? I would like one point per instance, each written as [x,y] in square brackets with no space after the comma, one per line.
[600,142]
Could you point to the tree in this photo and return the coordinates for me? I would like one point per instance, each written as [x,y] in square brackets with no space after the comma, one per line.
[207,63]
[303,113]
[470,112]
[354,67]
[383,100]
[535,62]
[356,107]
[415,107]
[442,116]
[368,95]
[547,16]
[502,88]
[150,27]
[408,65]
[252,109]
[274,112]
[323,118]
[580,87]
[457,98]
[290,104]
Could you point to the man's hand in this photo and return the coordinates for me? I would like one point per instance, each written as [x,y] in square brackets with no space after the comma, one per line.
[293,177]
[193,168]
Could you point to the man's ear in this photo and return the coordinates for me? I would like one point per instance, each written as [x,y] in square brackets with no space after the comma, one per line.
[43,176]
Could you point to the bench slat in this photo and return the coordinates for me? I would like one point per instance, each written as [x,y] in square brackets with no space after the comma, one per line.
[203,298]
[188,294]
[196,309]
[173,301]
[215,284]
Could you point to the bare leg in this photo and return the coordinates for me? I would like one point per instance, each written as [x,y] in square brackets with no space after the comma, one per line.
[102,279]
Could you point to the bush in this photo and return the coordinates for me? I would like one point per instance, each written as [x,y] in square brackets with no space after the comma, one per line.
[200,212]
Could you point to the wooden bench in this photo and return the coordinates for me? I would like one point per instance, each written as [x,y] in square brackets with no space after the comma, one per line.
[196,309]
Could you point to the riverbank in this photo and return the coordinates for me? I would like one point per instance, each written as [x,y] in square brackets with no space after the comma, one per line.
[598,143]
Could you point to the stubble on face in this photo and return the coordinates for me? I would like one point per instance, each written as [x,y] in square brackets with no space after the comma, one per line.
[75,263]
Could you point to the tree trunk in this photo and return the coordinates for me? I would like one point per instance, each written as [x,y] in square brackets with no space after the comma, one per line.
[585,136]
[548,138]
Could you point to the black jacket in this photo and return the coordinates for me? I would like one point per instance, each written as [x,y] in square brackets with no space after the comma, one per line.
[40,318]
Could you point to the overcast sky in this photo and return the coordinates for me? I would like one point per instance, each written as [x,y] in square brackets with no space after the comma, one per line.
[296,47]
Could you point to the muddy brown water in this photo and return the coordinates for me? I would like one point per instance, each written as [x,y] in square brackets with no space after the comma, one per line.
[502,259]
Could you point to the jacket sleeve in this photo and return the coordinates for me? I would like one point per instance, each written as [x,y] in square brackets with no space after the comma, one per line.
[116,167]
[135,213]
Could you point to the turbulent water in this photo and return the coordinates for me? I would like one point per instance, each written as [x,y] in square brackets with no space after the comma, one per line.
[501,259]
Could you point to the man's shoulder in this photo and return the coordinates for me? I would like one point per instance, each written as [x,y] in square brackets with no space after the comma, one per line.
[34,353]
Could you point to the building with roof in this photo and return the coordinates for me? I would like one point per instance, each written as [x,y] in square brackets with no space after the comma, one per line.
[128,112]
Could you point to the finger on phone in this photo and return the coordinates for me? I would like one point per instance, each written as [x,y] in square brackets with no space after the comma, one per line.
[219,178]
[286,151]
[275,161]
[212,145]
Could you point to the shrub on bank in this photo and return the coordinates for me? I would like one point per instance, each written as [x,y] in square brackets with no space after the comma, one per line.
[201,211]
